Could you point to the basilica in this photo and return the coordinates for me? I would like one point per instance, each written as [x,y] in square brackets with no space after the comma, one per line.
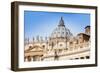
[60,45]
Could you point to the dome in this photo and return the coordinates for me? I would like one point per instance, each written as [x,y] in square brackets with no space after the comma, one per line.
[61,31]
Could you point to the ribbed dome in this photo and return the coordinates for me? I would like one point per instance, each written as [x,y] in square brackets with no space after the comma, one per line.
[61,31]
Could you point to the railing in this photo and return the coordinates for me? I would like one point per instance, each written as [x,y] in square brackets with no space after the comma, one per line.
[68,53]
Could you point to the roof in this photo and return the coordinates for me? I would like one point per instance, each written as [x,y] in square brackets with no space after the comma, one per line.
[87,27]
[61,31]
[82,34]
[61,23]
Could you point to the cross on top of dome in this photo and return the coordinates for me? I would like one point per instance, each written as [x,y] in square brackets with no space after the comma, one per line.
[61,22]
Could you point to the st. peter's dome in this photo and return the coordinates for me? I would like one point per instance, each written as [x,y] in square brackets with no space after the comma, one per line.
[61,31]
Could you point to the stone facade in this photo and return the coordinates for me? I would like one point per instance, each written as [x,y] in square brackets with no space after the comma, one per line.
[60,45]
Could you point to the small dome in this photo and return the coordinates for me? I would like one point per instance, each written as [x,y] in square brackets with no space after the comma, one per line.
[61,31]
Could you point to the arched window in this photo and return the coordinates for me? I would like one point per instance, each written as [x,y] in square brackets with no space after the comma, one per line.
[29,58]
[87,57]
[81,57]
[61,45]
[30,47]
[43,46]
[76,58]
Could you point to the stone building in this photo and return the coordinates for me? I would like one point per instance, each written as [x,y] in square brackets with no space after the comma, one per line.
[60,45]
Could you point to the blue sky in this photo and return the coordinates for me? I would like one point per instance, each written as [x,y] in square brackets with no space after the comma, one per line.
[43,23]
